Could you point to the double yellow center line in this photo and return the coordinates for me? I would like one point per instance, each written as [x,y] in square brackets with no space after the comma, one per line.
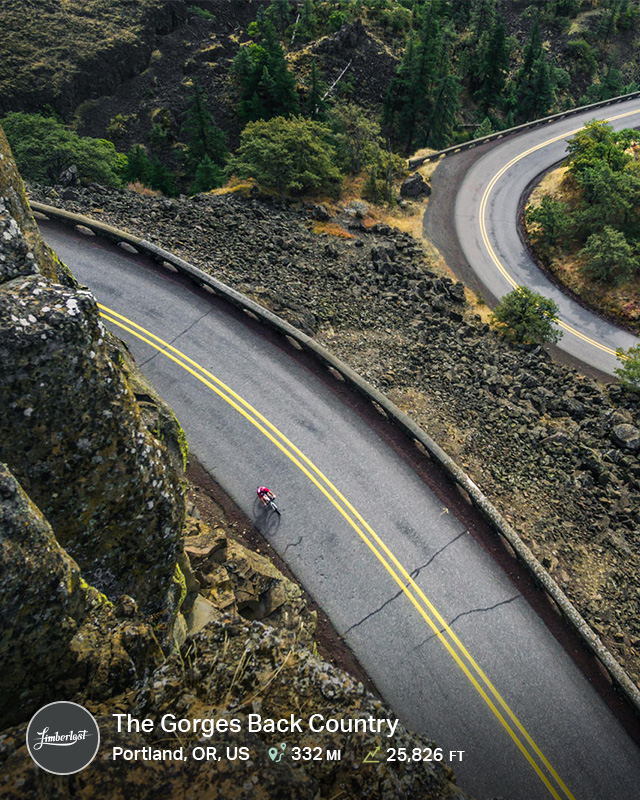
[483,223]
[380,550]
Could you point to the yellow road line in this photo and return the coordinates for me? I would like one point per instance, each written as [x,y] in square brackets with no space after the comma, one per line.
[485,237]
[297,457]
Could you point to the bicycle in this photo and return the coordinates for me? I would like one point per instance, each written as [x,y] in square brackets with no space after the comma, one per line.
[270,504]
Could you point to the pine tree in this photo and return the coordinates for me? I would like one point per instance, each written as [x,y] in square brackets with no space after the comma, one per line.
[495,67]
[162,178]
[422,101]
[536,81]
[138,165]
[422,74]
[612,83]
[399,91]
[280,11]
[267,86]
[315,104]
[308,25]
[204,137]
[482,24]
[357,137]
[446,106]
[484,129]
[533,50]
[208,176]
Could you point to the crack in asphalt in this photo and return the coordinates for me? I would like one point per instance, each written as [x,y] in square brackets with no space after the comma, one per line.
[177,336]
[413,574]
[291,544]
[466,614]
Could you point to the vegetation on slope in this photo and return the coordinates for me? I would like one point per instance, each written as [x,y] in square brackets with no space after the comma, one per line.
[427,72]
[588,230]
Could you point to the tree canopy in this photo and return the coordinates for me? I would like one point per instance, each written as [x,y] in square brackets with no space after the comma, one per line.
[527,317]
[288,154]
[43,148]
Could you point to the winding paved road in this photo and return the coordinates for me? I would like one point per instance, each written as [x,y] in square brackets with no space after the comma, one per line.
[487,677]
[481,191]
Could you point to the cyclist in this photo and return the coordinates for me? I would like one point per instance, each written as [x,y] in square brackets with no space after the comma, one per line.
[265,495]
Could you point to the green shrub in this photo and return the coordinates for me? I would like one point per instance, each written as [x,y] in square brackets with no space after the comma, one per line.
[43,148]
[336,20]
[527,317]
[292,155]
[552,217]
[609,258]
[629,372]
[582,55]
[208,176]
[201,12]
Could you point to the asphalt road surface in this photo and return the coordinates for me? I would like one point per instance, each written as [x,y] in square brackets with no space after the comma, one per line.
[487,677]
[472,219]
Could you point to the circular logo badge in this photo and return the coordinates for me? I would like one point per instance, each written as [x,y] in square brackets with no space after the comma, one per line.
[63,738]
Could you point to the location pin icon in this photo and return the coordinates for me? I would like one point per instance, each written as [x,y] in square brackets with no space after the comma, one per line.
[273,753]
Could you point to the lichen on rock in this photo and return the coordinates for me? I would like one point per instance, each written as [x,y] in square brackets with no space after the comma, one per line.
[22,249]
[60,636]
[72,433]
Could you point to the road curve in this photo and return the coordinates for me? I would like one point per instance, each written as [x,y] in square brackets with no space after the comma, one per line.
[484,189]
[488,678]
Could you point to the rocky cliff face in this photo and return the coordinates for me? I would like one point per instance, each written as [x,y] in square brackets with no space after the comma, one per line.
[72,433]
[60,636]
[63,53]
[91,503]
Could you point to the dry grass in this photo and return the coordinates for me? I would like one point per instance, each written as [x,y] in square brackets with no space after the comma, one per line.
[553,184]
[332,229]
[140,188]
[580,23]
[429,167]
[245,187]
[408,220]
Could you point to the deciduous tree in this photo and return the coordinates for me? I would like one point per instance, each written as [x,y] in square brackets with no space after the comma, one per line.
[291,155]
[527,317]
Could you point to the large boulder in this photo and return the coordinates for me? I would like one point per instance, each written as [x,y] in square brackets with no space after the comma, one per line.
[626,436]
[22,250]
[71,430]
[72,433]
[58,635]
[415,186]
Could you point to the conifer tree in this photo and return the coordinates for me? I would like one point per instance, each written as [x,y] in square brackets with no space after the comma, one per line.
[308,25]
[357,137]
[208,176]
[482,22]
[445,111]
[315,104]
[422,101]
[162,178]
[535,82]
[281,14]
[494,68]
[267,86]
[204,137]
[138,165]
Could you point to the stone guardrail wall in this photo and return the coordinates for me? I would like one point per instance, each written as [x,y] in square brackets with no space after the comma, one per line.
[414,163]
[425,444]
